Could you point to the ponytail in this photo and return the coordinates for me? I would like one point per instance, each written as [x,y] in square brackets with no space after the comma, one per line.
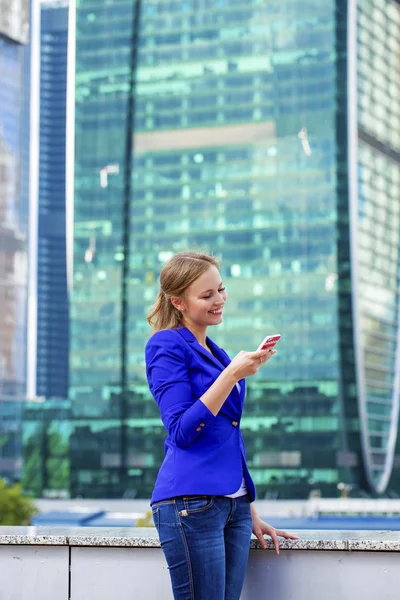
[163,313]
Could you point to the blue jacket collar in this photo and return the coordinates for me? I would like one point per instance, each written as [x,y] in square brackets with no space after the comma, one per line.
[217,357]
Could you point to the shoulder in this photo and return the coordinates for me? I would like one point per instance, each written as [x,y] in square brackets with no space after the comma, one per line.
[169,339]
[165,335]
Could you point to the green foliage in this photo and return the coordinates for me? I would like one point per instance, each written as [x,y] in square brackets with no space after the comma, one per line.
[146,520]
[15,508]
[46,461]
[32,472]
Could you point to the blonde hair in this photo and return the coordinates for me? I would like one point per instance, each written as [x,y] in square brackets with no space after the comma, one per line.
[175,277]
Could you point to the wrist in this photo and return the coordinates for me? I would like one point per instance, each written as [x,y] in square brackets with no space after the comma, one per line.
[231,374]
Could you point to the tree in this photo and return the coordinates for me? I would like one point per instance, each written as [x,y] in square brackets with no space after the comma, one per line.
[15,508]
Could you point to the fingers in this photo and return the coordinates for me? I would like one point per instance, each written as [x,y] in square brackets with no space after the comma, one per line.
[259,354]
[261,540]
[273,534]
[271,353]
[275,540]
[264,355]
[286,535]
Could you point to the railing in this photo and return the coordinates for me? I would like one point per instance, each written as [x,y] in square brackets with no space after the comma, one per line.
[83,564]
[305,508]
[352,506]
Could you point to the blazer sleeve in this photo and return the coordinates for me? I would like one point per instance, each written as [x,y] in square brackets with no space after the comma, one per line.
[168,376]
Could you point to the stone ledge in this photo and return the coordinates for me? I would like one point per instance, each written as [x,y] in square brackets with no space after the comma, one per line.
[370,541]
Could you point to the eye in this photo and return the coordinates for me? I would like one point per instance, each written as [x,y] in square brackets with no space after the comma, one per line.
[209,296]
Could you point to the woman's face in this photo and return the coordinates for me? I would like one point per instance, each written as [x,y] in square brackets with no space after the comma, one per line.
[203,302]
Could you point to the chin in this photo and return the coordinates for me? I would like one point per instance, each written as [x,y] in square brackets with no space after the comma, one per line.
[216,322]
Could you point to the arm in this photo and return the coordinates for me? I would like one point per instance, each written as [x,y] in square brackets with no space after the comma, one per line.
[243,365]
[219,391]
[168,374]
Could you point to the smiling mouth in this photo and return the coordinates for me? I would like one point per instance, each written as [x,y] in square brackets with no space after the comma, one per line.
[216,312]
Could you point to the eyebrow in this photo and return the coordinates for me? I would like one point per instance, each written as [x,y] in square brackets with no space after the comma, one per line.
[211,290]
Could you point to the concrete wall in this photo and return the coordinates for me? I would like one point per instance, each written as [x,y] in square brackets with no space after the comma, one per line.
[101,573]
[34,572]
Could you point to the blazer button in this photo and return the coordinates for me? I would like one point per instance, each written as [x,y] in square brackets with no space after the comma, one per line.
[235,423]
[198,428]
[201,424]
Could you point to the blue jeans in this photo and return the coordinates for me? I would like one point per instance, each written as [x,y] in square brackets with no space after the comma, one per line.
[206,542]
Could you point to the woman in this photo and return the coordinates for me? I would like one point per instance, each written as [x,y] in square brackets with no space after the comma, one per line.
[202,500]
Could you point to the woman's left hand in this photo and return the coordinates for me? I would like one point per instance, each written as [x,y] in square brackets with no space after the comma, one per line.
[260,528]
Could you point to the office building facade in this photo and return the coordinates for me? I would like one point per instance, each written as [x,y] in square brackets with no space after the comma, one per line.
[13,234]
[268,133]
[53,317]
[46,417]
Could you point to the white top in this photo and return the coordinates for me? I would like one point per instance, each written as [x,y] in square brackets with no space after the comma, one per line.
[242,491]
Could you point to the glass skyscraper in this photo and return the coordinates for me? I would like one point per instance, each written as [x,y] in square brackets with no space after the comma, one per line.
[14,178]
[376,236]
[46,421]
[52,331]
[267,133]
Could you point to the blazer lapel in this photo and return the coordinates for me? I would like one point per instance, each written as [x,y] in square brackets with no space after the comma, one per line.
[190,338]
[222,358]
[219,360]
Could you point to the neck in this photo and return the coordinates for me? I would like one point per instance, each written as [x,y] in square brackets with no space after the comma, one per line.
[199,333]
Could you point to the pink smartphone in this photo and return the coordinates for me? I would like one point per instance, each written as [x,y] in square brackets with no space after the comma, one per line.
[269,342]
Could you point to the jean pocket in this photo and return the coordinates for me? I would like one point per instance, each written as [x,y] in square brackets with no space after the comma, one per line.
[196,504]
[156,517]
[163,503]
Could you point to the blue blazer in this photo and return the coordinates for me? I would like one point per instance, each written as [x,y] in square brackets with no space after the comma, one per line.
[204,454]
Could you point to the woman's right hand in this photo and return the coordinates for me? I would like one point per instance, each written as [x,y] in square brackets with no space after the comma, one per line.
[243,365]
[246,364]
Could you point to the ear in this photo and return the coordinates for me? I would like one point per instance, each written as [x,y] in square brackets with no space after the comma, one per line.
[178,303]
